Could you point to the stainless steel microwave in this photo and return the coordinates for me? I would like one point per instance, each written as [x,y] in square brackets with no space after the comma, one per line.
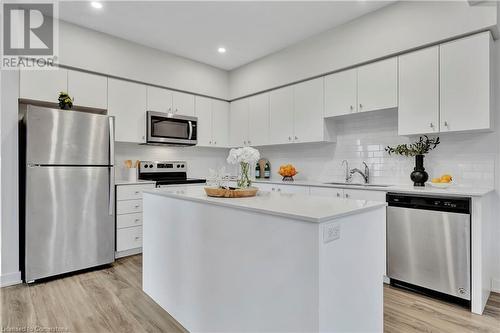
[171,129]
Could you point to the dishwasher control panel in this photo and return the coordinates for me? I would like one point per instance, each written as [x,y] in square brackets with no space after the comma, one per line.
[447,204]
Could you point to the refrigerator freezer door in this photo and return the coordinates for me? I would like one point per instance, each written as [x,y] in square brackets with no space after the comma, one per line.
[69,224]
[59,137]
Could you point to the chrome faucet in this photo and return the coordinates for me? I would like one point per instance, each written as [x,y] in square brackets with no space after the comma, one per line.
[348,174]
[365,174]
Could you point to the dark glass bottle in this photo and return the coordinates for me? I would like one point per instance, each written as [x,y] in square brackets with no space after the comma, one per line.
[267,170]
[257,170]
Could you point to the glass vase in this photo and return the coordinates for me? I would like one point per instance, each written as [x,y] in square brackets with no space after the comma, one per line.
[244,180]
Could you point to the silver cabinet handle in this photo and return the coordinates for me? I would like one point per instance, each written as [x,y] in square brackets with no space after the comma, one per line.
[215,142]
[137,238]
[244,142]
[273,189]
[176,110]
[351,108]
[137,206]
[169,109]
[431,125]
[446,123]
[289,138]
[137,220]
[137,192]
[279,190]
[209,142]
[360,105]
[338,195]
[347,195]
[296,138]
[249,142]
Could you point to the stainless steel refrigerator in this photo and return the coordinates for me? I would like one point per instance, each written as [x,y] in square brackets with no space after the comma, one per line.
[67,191]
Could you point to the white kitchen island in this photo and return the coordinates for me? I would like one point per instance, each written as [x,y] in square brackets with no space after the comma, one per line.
[273,263]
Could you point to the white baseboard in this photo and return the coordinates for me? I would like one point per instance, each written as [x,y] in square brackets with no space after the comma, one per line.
[495,285]
[126,253]
[10,279]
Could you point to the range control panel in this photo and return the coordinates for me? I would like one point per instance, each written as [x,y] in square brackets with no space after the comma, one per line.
[163,166]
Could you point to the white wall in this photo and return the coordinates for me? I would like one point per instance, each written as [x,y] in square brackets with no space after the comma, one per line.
[99,52]
[392,29]
[9,179]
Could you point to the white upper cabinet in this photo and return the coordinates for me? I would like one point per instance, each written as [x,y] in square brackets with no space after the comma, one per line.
[465,83]
[213,122]
[220,123]
[309,122]
[258,120]
[378,85]
[203,108]
[43,85]
[127,102]
[159,99]
[341,93]
[238,129]
[88,90]
[418,111]
[182,103]
[164,100]
[281,115]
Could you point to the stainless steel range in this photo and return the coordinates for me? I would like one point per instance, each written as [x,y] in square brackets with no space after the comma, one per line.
[167,173]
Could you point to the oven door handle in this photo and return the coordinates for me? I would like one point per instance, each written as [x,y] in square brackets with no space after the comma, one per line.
[190,130]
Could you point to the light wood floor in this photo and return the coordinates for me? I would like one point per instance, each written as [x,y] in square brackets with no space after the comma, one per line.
[111,300]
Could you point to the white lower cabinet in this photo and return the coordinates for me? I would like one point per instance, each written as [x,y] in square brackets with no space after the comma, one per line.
[129,218]
[327,192]
[364,195]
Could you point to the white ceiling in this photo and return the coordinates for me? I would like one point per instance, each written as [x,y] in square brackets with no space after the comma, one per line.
[248,30]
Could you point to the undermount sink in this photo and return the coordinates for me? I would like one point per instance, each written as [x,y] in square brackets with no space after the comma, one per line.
[359,185]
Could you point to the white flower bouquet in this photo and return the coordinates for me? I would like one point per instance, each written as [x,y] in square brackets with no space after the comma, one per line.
[245,157]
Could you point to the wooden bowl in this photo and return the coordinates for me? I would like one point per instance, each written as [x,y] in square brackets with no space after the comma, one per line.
[231,192]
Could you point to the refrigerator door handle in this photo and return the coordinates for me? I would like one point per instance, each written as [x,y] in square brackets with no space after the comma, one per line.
[111,191]
[111,140]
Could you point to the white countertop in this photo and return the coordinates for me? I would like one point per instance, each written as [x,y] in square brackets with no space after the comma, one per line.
[294,206]
[453,190]
[137,182]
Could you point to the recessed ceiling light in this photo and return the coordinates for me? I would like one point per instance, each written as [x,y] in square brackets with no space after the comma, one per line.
[96,4]
[221,50]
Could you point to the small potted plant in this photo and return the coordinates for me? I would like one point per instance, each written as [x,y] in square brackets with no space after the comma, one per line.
[418,149]
[65,101]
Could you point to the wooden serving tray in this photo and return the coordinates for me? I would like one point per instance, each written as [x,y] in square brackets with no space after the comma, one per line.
[231,192]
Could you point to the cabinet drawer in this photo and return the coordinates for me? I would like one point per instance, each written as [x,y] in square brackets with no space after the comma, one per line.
[131,192]
[128,220]
[128,238]
[129,206]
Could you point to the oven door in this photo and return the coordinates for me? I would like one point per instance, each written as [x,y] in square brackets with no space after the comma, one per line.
[166,128]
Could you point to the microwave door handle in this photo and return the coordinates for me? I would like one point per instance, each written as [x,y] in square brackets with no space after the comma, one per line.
[190,130]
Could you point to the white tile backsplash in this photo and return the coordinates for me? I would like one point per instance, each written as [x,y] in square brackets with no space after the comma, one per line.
[199,159]
[469,157]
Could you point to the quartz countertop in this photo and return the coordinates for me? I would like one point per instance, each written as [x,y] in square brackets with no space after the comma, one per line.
[294,206]
[137,182]
[453,190]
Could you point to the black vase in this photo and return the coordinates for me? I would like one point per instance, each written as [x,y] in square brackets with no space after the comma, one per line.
[419,176]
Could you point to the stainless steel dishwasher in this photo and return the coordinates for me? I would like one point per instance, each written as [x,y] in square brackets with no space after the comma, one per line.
[428,244]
